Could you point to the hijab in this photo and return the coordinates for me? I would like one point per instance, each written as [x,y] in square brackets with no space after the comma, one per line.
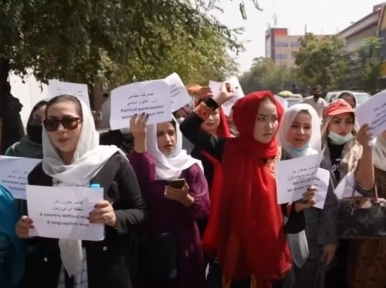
[314,145]
[298,242]
[169,167]
[251,238]
[89,158]
[30,146]
[341,94]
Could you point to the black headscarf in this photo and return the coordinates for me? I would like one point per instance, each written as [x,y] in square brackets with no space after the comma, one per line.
[30,145]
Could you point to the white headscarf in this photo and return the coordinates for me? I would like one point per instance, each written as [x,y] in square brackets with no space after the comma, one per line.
[89,158]
[289,116]
[170,167]
[298,242]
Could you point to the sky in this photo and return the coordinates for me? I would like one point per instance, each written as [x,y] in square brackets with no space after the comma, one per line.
[320,17]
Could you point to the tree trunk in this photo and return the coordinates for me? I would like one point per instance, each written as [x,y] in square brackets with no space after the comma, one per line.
[4,72]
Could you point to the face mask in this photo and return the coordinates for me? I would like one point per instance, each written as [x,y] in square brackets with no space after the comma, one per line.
[125,131]
[339,139]
[35,132]
[299,152]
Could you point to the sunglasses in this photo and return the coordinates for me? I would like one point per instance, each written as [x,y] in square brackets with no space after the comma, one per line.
[67,123]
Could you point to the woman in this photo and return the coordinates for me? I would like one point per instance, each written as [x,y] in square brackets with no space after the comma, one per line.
[346,150]
[299,136]
[216,124]
[73,157]
[249,212]
[158,160]
[12,251]
[30,146]
[348,97]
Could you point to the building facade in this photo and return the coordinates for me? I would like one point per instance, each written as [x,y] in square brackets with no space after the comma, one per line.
[280,46]
[355,34]
[361,29]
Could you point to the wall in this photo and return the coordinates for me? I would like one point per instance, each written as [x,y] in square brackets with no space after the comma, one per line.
[285,46]
[355,41]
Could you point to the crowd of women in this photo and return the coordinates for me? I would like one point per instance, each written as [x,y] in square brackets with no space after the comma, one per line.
[204,218]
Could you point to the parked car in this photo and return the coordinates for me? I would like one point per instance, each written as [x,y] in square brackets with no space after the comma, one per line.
[293,100]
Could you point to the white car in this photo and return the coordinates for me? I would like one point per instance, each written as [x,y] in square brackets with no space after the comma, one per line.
[361,97]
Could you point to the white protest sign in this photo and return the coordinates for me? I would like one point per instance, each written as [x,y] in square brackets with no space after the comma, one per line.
[150,97]
[216,88]
[14,174]
[295,176]
[62,212]
[56,88]
[179,95]
[373,113]
[322,181]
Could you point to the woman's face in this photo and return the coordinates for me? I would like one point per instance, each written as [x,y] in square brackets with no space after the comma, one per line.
[166,138]
[266,122]
[38,115]
[66,117]
[211,124]
[349,99]
[342,124]
[300,131]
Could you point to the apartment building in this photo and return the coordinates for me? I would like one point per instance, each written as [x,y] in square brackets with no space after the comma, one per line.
[280,45]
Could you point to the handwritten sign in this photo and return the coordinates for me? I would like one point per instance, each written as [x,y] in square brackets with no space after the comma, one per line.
[295,176]
[373,112]
[150,97]
[14,174]
[62,212]
[80,91]
[216,89]
[179,95]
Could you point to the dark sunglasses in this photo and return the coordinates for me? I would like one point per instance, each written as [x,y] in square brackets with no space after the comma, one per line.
[67,123]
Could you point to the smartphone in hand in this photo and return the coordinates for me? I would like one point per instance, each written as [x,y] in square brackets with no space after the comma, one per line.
[177,183]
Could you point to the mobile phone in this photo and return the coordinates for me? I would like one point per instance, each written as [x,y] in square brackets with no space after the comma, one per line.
[177,184]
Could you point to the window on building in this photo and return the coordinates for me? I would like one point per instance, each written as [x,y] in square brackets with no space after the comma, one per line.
[295,44]
[281,44]
[281,56]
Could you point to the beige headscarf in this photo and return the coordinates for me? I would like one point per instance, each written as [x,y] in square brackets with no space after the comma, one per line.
[351,153]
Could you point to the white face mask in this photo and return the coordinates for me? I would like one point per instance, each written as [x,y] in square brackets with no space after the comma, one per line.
[125,131]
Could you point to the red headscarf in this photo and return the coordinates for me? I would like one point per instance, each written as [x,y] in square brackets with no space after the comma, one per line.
[251,234]
[209,240]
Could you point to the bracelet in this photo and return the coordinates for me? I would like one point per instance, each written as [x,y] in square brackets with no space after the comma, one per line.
[203,111]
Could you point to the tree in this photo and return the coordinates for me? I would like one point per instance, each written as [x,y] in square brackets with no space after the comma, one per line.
[264,75]
[321,61]
[78,40]
[369,60]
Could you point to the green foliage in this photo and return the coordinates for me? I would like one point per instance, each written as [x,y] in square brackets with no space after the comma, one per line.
[321,61]
[369,61]
[263,75]
[79,40]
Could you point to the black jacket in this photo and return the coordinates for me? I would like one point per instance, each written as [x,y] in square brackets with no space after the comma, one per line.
[107,260]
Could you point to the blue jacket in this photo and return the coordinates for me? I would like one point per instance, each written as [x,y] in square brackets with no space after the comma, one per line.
[12,250]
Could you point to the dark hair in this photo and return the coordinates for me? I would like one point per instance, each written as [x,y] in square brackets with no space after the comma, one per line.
[317,87]
[66,98]
[36,107]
